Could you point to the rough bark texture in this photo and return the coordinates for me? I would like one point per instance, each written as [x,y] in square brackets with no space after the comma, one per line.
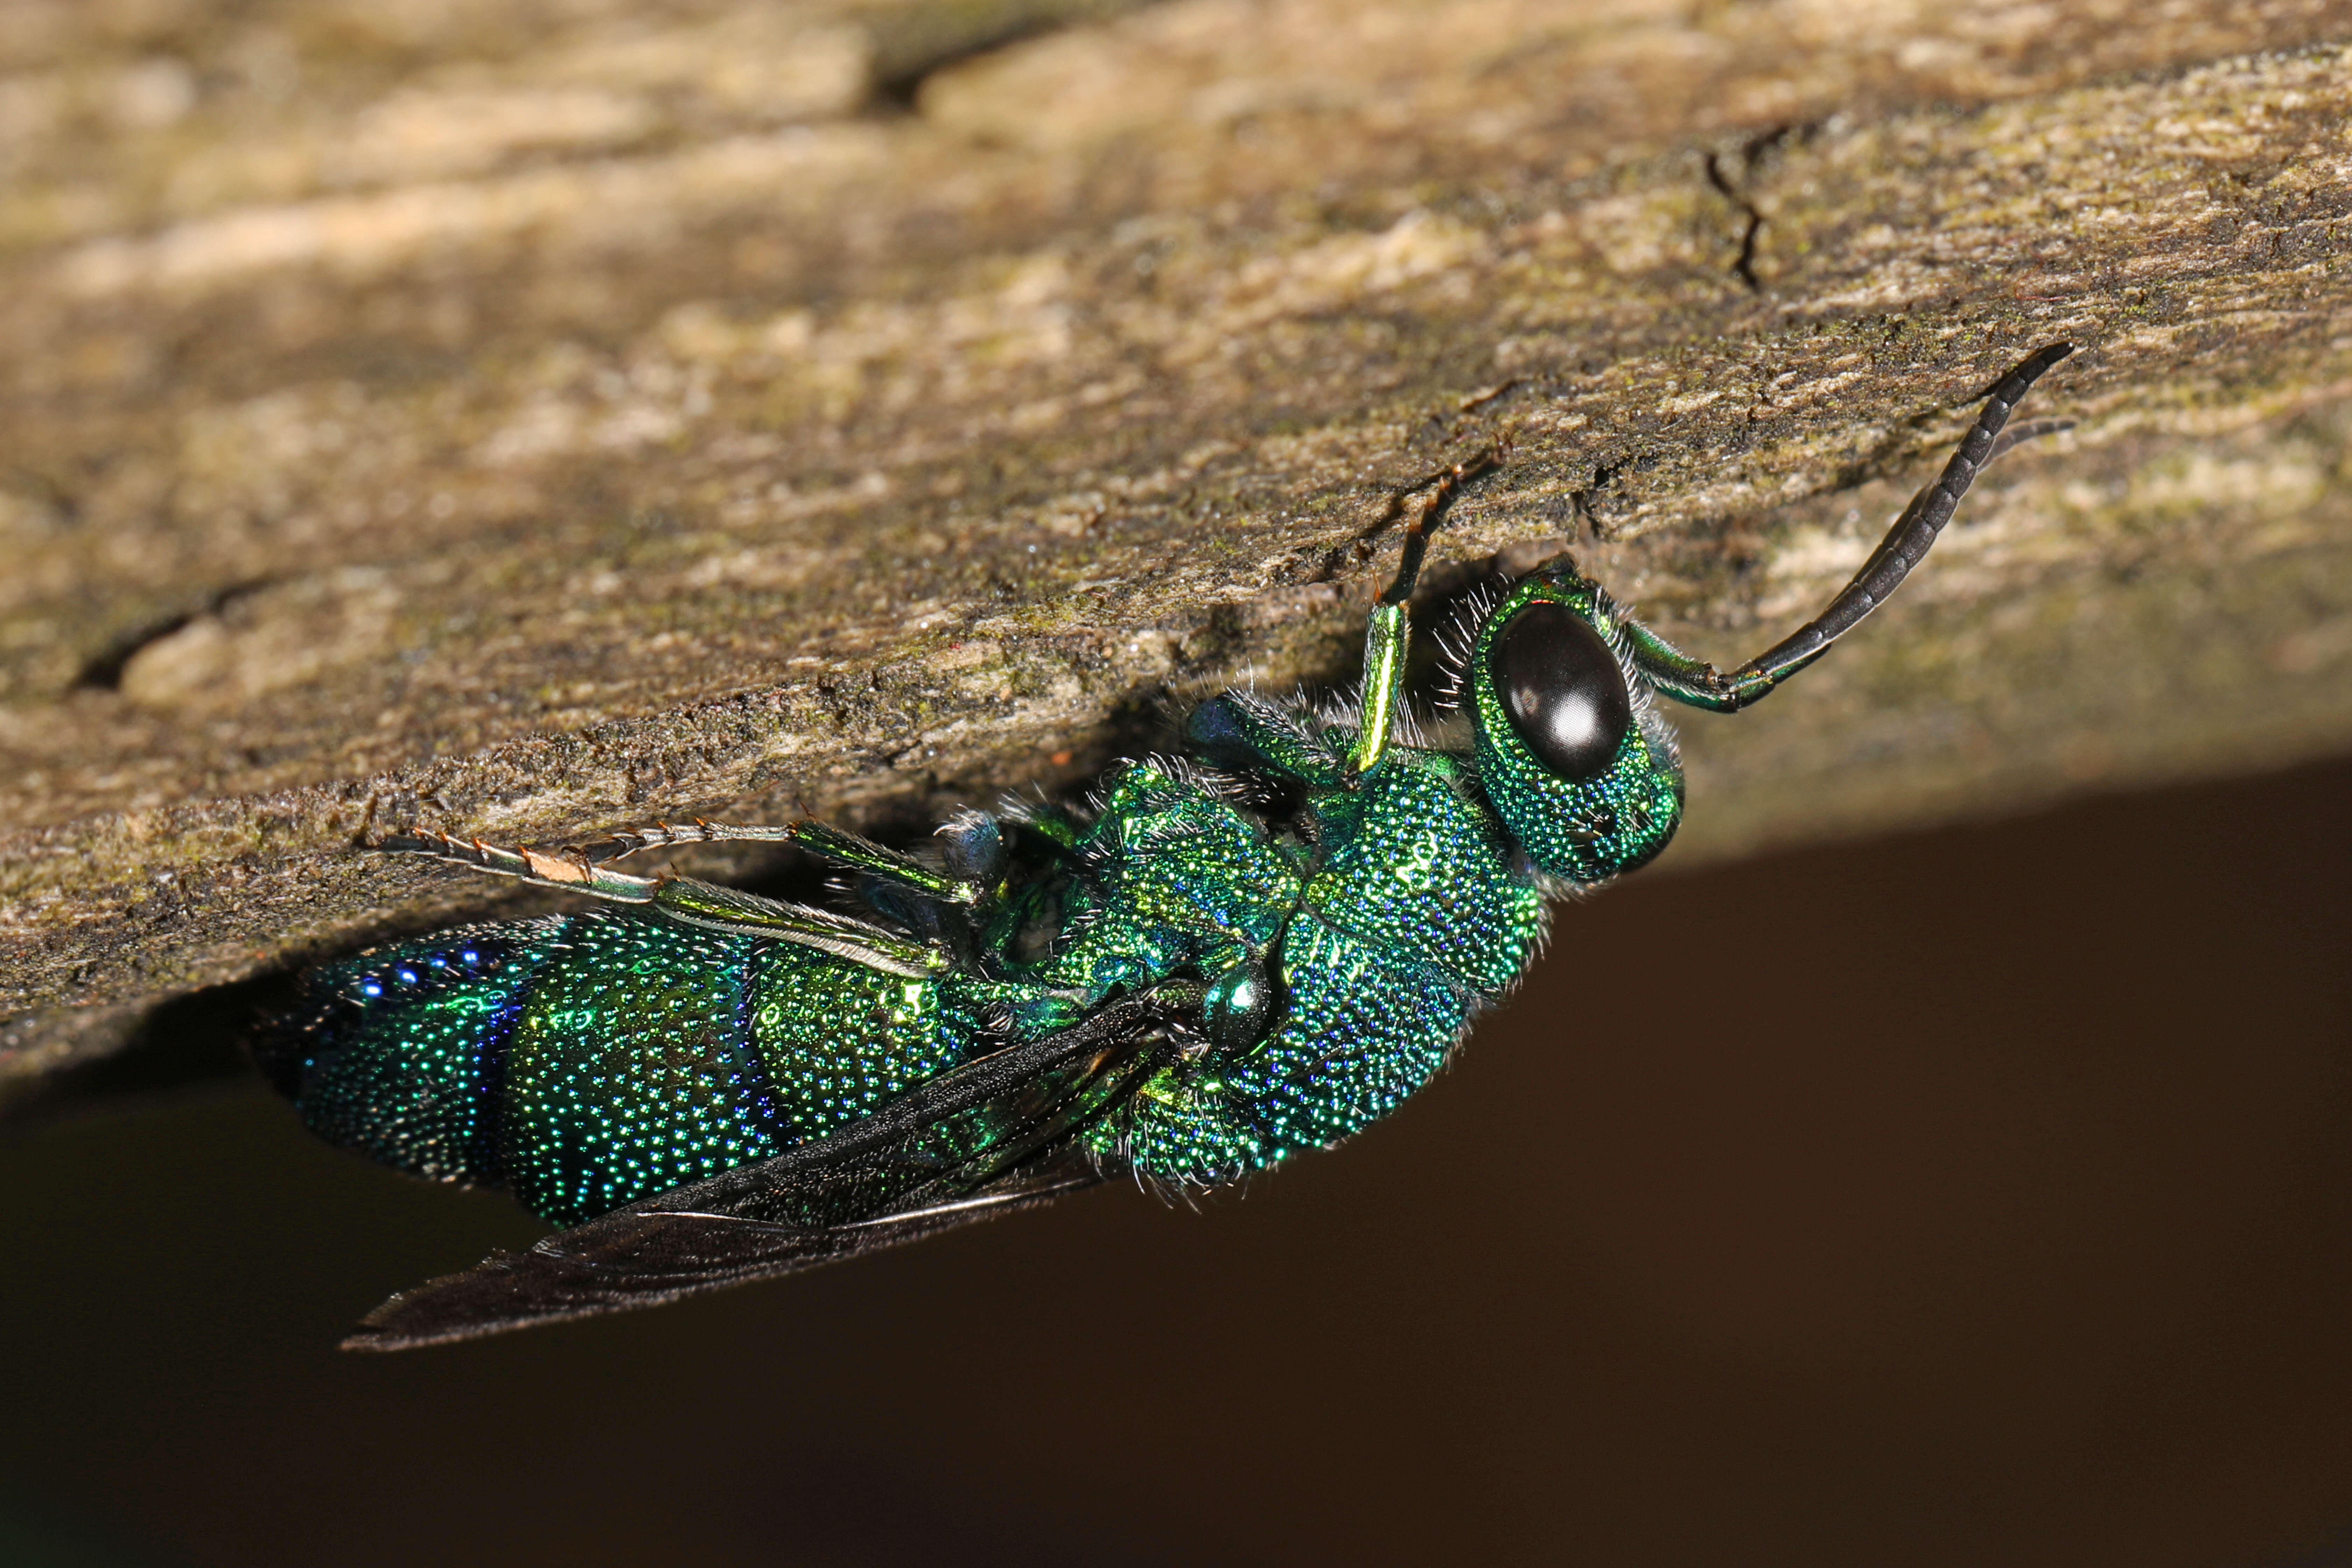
[532,416]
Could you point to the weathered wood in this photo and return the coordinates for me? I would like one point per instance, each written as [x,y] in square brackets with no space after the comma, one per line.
[531,417]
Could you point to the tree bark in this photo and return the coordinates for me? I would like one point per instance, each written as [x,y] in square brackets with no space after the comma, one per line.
[537,416]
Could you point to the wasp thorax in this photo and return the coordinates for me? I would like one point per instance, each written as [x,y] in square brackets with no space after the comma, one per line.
[1242,1006]
[1563,689]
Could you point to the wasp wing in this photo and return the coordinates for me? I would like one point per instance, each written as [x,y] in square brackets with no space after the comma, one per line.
[631,1259]
[987,1137]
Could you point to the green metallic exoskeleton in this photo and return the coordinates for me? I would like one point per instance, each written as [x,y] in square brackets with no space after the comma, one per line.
[1257,947]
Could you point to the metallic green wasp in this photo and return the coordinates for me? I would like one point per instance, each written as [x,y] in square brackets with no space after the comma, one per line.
[1252,949]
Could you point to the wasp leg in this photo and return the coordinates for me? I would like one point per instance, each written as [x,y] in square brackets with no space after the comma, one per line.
[1244,733]
[690,902]
[715,908]
[573,870]
[1698,683]
[832,843]
[1388,632]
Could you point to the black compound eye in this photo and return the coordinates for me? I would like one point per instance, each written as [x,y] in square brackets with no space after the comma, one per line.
[1562,689]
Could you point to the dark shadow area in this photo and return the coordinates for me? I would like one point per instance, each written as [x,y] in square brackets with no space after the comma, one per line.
[2334,1553]
[33,1535]
[103,672]
[911,45]
[188,1043]
[2002,1213]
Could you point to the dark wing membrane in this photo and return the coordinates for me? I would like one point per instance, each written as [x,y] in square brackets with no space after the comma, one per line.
[629,1259]
[987,1137]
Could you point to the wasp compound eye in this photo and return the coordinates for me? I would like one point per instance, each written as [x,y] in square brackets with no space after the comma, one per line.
[1563,689]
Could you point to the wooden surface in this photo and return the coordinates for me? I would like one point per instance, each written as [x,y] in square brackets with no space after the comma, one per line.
[532,416]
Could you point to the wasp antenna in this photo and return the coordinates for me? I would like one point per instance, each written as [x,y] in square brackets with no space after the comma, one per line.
[1677,675]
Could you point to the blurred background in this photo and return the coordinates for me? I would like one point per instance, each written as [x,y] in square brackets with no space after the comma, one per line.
[1999,1212]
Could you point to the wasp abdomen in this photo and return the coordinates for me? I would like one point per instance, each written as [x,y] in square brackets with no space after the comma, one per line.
[401,1052]
[590,1060]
